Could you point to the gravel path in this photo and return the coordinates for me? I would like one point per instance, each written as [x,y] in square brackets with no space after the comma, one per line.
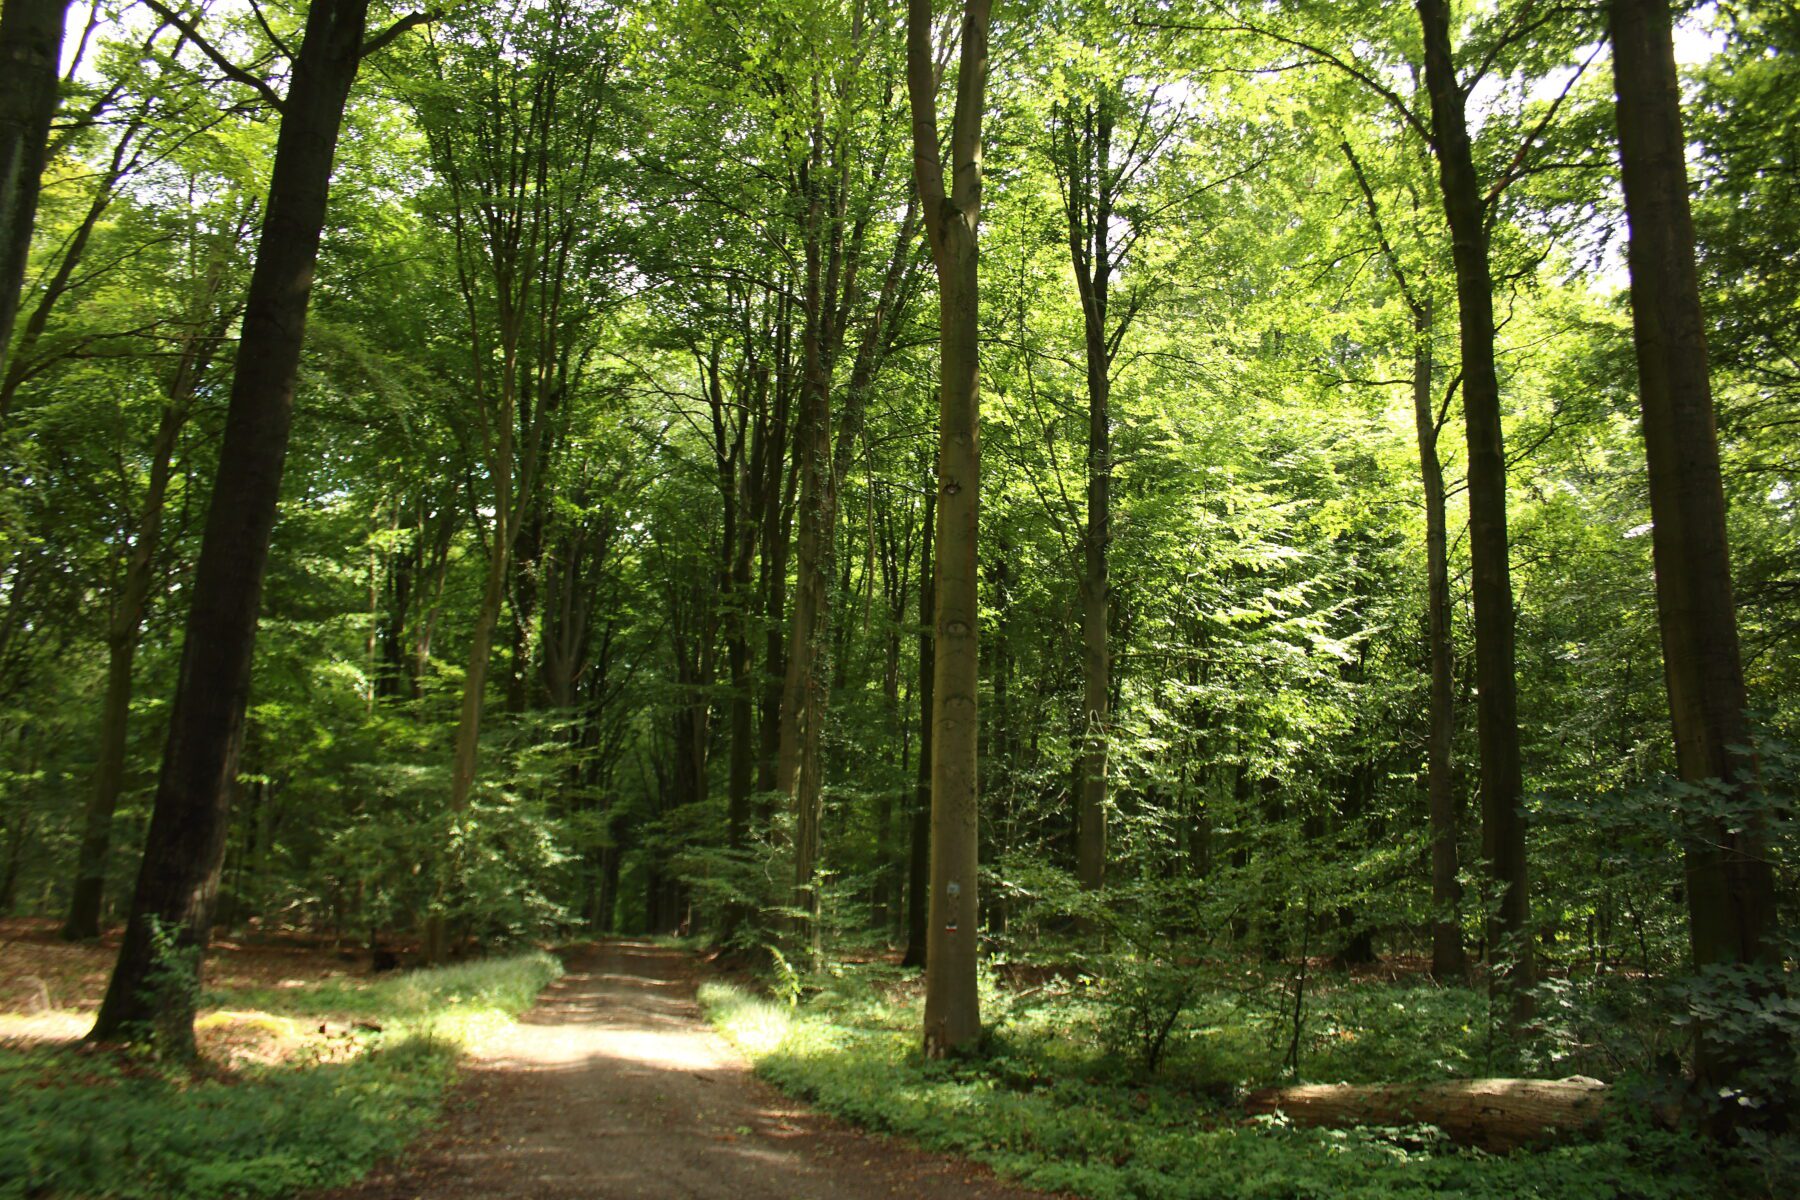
[614,1086]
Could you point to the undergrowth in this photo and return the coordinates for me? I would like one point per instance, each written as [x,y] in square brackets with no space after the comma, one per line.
[1047,1103]
[80,1122]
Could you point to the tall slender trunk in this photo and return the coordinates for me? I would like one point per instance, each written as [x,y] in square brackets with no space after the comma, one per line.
[31,35]
[1447,958]
[1503,821]
[1730,882]
[740,547]
[155,984]
[798,769]
[952,219]
[1090,213]
[122,633]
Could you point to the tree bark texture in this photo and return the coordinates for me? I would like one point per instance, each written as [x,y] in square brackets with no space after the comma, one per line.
[155,984]
[1730,882]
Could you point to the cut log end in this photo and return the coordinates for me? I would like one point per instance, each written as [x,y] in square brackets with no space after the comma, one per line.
[1496,1115]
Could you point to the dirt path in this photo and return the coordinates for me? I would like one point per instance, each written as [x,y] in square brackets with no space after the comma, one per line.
[614,1086]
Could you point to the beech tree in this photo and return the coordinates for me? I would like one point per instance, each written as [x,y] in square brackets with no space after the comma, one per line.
[155,984]
[952,220]
[1729,876]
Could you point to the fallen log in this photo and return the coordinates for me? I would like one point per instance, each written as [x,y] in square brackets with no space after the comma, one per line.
[1494,1114]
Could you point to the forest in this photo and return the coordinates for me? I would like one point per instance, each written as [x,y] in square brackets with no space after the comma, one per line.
[1177,598]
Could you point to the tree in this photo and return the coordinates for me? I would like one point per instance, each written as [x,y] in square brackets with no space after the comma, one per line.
[155,984]
[31,35]
[1496,706]
[521,171]
[1448,960]
[1730,879]
[952,221]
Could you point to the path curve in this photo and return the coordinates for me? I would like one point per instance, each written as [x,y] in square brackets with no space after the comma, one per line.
[614,1086]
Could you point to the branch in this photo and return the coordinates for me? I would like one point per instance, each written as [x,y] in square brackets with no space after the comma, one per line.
[232,70]
[409,21]
[965,126]
[1516,167]
[1387,248]
[921,87]
[280,45]
[1349,67]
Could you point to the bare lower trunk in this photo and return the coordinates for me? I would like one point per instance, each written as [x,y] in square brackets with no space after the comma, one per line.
[466,753]
[1730,883]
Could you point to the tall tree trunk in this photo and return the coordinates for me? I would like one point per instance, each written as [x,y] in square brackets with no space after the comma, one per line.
[122,633]
[798,769]
[1497,718]
[31,36]
[918,861]
[1730,883]
[740,484]
[1447,958]
[1090,214]
[155,984]
[952,1010]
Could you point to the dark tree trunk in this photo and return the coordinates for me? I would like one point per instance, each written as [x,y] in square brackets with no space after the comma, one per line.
[1497,719]
[31,35]
[1730,884]
[171,910]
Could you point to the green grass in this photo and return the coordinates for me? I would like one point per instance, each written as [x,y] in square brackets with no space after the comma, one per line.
[1045,1103]
[75,1123]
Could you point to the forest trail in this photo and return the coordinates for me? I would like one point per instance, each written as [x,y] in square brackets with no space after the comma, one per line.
[614,1086]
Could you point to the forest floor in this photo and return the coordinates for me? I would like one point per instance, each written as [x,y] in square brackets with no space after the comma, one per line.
[614,1086]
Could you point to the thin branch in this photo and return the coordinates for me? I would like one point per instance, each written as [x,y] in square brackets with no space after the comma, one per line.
[409,21]
[232,70]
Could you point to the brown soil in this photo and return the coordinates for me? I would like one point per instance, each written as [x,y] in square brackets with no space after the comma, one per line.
[613,1086]
[37,965]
